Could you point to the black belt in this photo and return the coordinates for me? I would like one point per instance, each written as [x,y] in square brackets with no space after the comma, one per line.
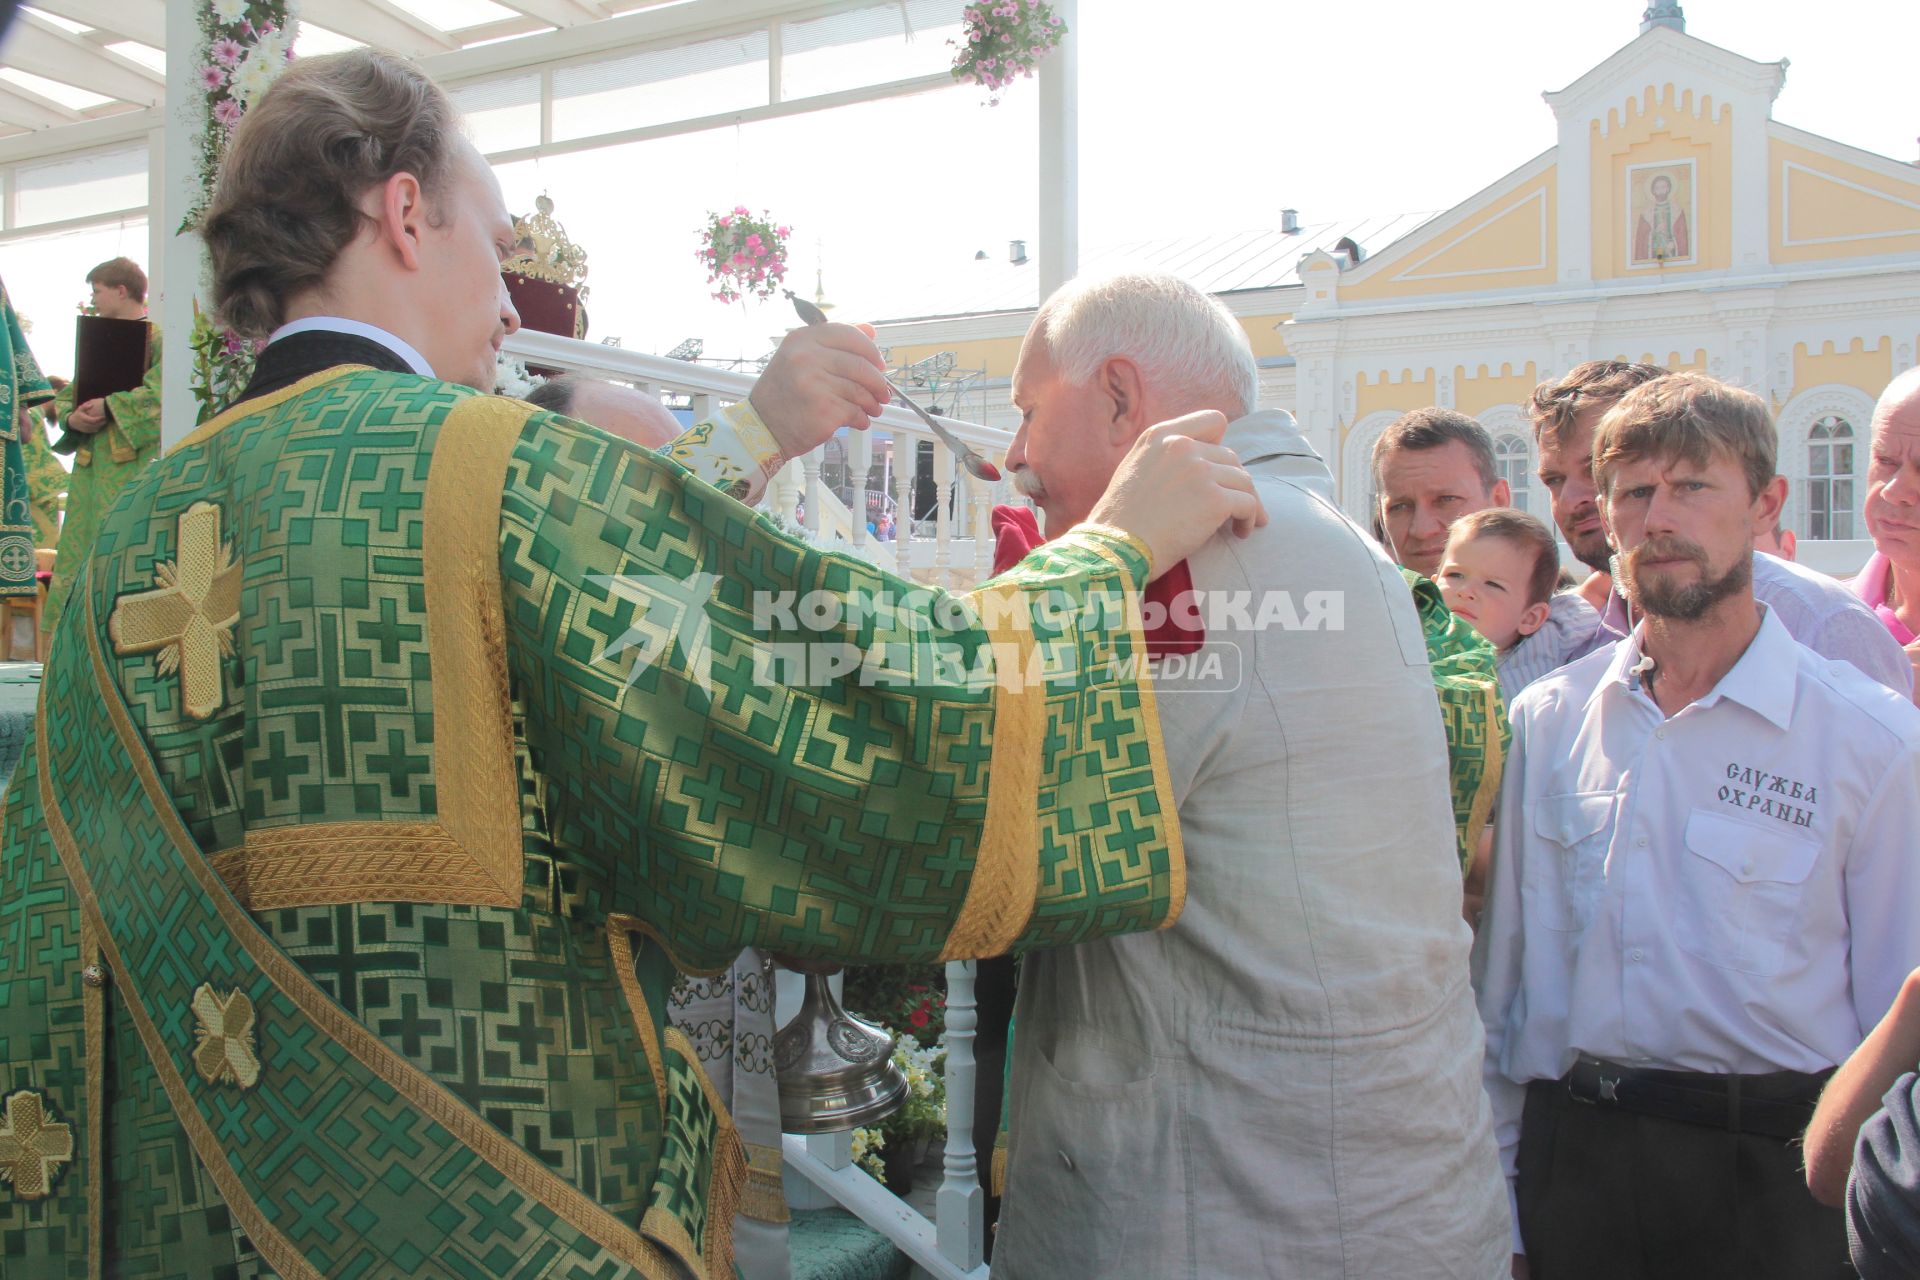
[1776,1105]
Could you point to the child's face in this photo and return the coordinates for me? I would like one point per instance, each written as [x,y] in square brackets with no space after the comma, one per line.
[1484,580]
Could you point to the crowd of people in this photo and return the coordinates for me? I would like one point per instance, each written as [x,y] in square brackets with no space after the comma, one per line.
[1472,919]
[1698,901]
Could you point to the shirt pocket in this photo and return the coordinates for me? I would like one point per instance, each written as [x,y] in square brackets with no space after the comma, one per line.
[1741,891]
[1562,888]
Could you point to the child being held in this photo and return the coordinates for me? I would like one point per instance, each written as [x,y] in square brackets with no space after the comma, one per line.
[1499,573]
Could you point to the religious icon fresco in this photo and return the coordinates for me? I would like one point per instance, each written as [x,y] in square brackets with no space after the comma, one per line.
[1660,213]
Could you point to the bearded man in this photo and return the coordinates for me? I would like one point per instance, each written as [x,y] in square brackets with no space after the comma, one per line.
[1703,894]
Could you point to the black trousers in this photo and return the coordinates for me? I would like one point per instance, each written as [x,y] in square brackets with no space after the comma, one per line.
[1606,1194]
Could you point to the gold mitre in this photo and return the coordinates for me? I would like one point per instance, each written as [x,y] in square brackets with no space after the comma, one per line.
[545,252]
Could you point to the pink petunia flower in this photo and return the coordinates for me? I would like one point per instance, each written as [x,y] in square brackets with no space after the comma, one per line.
[227,112]
[211,77]
[226,51]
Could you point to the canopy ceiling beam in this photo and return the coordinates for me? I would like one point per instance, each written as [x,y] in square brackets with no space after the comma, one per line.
[557,13]
[385,25]
[23,107]
[772,111]
[45,49]
[687,23]
[102,131]
[141,20]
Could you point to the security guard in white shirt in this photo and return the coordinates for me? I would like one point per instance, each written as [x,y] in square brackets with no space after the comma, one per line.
[1704,888]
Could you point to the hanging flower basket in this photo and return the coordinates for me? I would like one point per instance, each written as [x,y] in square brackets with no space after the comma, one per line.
[1005,40]
[744,255]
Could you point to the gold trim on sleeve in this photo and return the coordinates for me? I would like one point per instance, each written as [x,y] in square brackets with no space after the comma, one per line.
[93,1004]
[473,773]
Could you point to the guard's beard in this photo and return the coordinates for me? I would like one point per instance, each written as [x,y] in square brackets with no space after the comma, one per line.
[1660,597]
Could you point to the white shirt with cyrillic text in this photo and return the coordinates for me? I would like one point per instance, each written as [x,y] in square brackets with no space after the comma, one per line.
[1734,889]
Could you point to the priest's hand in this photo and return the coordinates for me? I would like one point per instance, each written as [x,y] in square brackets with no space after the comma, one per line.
[89,417]
[822,378]
[1177,486]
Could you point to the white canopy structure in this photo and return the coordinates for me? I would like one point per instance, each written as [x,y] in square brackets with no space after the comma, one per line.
[87,137]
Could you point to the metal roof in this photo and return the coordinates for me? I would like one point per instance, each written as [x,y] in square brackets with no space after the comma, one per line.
[1221,262]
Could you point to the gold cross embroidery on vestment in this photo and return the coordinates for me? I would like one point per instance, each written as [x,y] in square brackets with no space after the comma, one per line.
[190,616]
[225,1052]
[32,1145]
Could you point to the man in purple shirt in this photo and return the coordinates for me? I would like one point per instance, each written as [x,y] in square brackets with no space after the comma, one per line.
[1815,609]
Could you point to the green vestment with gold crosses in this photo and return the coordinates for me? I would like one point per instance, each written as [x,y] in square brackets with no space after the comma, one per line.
[399,744]
[22,387]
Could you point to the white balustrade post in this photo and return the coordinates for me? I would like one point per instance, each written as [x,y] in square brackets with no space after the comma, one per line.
[783,493]
[905,449]
[942,520]
[810,468]
[983,526]
[859,452]
[960,1207]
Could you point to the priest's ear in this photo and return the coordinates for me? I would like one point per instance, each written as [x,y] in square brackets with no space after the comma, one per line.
[399,214]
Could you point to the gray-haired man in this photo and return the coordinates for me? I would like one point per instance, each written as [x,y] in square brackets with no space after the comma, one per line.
[1285,1082]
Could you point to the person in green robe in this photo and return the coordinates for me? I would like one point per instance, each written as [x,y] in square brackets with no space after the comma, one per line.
[24,387]
[47,480]
[112,438]
[401,741]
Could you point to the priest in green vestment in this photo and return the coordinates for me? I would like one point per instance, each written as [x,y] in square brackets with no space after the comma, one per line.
[401,741]
[113,437]
[22,387]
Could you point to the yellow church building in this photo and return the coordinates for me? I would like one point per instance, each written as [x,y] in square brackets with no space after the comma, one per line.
[1674,221]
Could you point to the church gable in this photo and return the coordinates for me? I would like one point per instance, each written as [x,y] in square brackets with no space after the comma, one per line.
[1832,201]
[1662,178]
[1501,238]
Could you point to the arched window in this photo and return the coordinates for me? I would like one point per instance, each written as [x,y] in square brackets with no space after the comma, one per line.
[1513,459]
[1830,478]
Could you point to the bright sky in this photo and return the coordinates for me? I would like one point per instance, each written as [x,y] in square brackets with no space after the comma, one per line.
[1205,117]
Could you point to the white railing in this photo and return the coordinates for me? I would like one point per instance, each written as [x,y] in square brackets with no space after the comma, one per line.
[952,549]
[820,1170]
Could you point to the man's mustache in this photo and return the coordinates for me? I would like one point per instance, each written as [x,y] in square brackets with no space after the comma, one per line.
[1028,484]
[1667,549]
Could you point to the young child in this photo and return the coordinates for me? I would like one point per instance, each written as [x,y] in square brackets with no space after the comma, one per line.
[1499,573]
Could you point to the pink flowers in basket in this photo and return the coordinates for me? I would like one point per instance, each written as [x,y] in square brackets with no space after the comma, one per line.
[743,254]
[1005,40]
